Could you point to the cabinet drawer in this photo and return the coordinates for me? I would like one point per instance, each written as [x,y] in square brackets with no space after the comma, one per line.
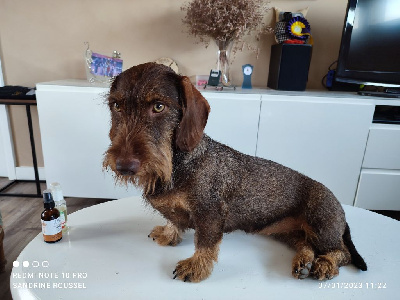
[379,189]
[383,147]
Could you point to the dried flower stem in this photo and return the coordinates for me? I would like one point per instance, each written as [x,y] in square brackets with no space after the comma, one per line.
[226,21]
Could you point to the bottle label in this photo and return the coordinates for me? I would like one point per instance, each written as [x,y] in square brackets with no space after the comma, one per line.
[52,230]
[62,218]
[63,214]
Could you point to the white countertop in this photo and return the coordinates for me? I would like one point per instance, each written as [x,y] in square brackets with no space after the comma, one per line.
[84,85]
[107,255]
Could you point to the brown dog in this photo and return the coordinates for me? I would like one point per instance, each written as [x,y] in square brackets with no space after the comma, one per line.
[158,144]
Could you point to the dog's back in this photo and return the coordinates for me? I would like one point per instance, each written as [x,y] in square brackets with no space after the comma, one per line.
[257,191]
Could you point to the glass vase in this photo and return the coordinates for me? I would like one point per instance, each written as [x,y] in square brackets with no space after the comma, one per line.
[223,62]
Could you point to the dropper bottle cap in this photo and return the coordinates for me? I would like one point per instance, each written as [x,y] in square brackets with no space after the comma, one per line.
[48,199]
[56,191]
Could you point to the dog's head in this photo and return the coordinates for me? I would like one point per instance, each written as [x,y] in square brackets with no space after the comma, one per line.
[154,112]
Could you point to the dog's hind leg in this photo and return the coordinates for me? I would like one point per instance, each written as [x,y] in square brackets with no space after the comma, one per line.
[326,220]
[303,260]
[330,250]
[326,266]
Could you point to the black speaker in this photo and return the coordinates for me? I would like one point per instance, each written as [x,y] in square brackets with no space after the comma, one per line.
[288,67]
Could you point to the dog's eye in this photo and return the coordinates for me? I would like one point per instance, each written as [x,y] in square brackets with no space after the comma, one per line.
[117,107]
[158,107]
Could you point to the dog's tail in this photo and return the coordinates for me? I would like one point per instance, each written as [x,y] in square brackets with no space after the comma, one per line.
[356,258]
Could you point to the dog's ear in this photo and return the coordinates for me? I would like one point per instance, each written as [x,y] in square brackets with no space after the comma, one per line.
[195,109]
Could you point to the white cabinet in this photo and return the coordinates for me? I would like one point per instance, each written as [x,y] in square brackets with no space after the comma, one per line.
[320,134]
[383,148]
[7,159]
[234,120]
[3,161]
[323,138]
[74,123]
[379,186]
[379,190]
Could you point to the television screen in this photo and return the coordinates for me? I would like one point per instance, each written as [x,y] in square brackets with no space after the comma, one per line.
[370,49]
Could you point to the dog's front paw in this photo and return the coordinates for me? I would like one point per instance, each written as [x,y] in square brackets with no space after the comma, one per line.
[324,268]
[194,269]
[167,235]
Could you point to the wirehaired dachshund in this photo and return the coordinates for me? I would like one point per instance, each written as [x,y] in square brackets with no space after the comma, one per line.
[158,144]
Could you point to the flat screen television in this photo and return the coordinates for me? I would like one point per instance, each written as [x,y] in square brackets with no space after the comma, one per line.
[370,48]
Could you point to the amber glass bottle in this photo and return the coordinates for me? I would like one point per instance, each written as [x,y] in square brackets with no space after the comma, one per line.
[51,221]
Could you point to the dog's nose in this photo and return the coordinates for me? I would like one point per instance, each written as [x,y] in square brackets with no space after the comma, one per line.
[128,166]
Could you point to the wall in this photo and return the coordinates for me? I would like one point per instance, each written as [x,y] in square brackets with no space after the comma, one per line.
[3,162]
[43,40]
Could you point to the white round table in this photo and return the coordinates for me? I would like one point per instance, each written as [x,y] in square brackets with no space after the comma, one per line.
[107,255]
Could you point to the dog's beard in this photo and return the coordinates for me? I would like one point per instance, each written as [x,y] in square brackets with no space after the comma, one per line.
[157,167]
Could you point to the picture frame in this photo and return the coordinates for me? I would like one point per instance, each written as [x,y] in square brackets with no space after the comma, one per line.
[101,69]
[103,65]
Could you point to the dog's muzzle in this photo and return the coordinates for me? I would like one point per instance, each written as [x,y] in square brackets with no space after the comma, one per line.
[128,166]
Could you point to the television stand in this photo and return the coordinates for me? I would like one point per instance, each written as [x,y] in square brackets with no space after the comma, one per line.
[387,93]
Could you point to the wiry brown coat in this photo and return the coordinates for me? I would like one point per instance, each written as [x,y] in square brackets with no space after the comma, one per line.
[157,143]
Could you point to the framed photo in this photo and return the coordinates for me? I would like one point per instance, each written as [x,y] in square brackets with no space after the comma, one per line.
[105,66]
[101,69]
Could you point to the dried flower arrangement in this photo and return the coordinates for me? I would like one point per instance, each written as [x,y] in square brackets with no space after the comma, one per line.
[226,21]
